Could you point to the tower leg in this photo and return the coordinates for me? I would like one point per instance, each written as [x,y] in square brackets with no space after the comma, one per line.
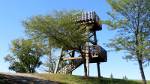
[57,64]
[85,68]
[87,65]
[72,61]
[98,69]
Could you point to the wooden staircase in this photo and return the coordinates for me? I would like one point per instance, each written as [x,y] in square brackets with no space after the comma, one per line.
[70,67]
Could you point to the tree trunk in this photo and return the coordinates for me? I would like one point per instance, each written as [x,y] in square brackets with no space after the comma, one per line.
[85,69]
[142,71]
[49,58]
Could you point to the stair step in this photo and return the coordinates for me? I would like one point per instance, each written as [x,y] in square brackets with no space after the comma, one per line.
[70,67]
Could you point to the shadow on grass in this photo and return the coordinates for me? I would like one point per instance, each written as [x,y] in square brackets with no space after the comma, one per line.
[13,79]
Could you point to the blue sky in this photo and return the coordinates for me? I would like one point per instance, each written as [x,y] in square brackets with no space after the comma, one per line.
[13,12]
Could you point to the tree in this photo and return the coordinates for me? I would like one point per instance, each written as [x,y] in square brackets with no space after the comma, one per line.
[59,30]
[25,55]
[111,76]
[131,19]
[50,63]
[125,78]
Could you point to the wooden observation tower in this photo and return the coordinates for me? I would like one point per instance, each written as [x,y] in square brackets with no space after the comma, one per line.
[91,52]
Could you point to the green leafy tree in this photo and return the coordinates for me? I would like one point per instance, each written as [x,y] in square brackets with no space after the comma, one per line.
[111,76]
[25,56]
[125,78]
[131,19]
[59,30]
[50,63]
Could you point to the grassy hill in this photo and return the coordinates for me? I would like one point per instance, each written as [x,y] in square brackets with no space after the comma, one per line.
[71,79]
[59,79]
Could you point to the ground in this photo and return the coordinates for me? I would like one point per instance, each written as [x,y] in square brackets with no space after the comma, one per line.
[20,78]
[10,78]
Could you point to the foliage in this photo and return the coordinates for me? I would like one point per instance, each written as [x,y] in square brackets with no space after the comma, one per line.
[131,19]
[25,55]
[125,78]
[50,62]
[59,29]
[111,76]
[132,24]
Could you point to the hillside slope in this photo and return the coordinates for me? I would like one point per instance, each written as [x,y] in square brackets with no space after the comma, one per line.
[58,79]
[70,79]
[9,78]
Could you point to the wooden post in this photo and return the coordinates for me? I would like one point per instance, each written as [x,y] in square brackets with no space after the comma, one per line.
[95,39]
[86,61]
[57,64]
[85,69]
[87,65]
[49,56]
[87,50]
[98,64]
[98,69]
[72,61]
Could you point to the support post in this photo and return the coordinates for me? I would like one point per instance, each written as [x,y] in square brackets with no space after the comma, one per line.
[87,57]
[87,51]
[98,69]
[87,65]
[57,64]
[86,62]
[72,61]
[85,68]
[95,39]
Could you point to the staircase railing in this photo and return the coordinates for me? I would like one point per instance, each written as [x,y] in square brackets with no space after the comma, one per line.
[70,67]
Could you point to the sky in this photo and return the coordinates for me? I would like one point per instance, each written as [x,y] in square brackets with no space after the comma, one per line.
[13,12]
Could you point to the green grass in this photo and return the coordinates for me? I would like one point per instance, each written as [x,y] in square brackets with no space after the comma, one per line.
[70,79]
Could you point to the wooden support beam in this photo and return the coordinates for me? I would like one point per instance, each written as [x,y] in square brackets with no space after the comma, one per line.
[57,64]
[94,56]
[98,69]
[72,58]
[87,65]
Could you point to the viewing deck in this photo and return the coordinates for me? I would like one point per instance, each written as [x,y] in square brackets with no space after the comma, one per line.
[90,18]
